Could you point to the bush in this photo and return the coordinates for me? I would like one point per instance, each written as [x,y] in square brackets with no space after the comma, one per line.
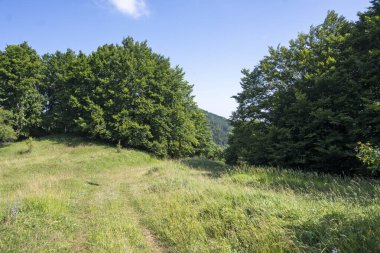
[29,144]
[369,155]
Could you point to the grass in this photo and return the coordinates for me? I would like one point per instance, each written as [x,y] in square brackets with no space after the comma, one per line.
[71,195]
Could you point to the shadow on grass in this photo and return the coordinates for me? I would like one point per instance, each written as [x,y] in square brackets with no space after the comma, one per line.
[92,183]
[337,232]
[24,152]
[357,190]
[5,144]
[213,168]
[71,140]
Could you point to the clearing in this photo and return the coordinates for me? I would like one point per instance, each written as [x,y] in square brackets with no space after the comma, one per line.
[72,195]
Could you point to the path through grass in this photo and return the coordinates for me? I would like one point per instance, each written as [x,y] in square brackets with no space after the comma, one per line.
[69,195]
[64,197]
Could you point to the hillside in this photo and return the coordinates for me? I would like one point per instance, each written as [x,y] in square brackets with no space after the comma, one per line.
[220,128]
[71,195]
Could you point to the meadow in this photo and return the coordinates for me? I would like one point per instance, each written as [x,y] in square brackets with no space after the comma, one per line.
[67,194]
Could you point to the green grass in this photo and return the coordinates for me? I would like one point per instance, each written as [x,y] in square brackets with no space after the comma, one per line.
[71,195]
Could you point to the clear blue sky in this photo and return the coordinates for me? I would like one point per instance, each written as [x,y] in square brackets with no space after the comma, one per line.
[212,40]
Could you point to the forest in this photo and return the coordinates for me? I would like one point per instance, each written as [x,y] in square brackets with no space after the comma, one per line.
[220,128]
[312,105]
[123,94]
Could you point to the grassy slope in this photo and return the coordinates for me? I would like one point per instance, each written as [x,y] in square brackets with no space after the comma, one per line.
[71,196]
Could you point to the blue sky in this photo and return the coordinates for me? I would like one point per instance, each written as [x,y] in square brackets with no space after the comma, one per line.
[212,40]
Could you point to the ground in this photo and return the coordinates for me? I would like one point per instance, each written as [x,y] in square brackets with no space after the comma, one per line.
[67,194]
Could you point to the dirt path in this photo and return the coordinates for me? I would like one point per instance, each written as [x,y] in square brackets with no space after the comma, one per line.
[107,220]
[154,244]
[117,186]
[152,241]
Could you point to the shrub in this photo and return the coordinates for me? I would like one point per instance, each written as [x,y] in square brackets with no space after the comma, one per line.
[369,156]
[29,144]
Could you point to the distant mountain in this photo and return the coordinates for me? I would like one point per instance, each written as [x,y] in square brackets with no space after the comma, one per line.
[220,128]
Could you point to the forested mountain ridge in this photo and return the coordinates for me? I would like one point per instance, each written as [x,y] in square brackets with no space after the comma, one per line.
[220,128]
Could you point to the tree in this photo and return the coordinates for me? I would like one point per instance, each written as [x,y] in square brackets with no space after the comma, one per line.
[125,93]
[65,76]
[21,81]
[364,61]
[306,105]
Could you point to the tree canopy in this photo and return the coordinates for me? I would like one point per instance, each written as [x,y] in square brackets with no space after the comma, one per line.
[7,132]
[119,93]
[21,76]
[307,105]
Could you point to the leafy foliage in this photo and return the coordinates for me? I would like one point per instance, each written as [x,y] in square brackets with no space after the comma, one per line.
[6,131]
[307,105]
[123,93]
[65,75]
[370,156]
[21,81]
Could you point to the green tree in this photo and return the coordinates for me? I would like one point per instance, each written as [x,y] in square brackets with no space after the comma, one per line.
[130,94]
[119,93]
[66,75]
[307,105]
[21,81]
[364,61]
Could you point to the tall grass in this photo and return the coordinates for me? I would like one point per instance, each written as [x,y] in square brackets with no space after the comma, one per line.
[57,198]
[257,210]
[71,195]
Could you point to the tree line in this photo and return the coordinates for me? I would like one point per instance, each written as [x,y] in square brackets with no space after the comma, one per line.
[313,105]
[123,94]
[308,105]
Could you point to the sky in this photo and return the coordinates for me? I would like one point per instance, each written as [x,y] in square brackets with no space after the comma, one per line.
[212,40]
